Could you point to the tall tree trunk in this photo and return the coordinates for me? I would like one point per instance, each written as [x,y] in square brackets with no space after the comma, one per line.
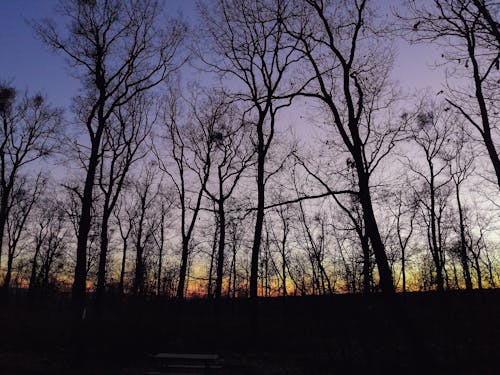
[222,243]
[455,276]
[403,268]
[122,268]
[8,274]
[435,244]
[212,260]
[233,263]
[479,273]
[139,249]
[372,231]
[489,266]
[103,257]
[139,270]
[483,108]
[34,267]
[283,261]
[183,271]
[367,267]
[160,255]
[84,224]
[490,146]
[4,212]
[463,247]
[259,220]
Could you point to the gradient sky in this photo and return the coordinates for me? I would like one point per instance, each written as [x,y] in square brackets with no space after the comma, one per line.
[27,64]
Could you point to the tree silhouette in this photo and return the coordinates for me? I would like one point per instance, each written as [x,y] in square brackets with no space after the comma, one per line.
[29,131]
[471,45]
[349,76]
[117,53]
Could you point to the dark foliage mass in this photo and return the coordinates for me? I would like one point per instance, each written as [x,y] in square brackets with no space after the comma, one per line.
[317,334]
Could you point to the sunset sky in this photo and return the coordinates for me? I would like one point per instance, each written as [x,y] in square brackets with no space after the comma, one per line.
[400,128]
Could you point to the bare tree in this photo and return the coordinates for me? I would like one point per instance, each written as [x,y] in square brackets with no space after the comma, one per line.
[469,34]
[236,233]
[118,52]
[431,133]
[281,241]
[478,225]
[121,148]
[146,192]
[490,24]
[125,216]
[232,155]
[71,204]
[461,167]
[189,143]
[354,212]
[404,210]
[28,132]
[162,211]
[350,75]
[49,228]
[253,49]
[50,240]
[315,241]
[22,201]
[41,223]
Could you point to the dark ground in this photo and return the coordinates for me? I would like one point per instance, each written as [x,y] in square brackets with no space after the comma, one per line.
[420,333]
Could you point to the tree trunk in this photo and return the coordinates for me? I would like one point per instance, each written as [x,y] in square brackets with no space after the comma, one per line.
[436,248]
[122,268]
[490,146]
[4,212]
[463,248]
[220,255]
[47,265]
[259,220]
[233,267]
[212,259]
[80,279]
[283,262]
[367,275]
[8,274]
[34,267]
[371,228]
[479,273]
[139,270]
[483,108]
[103,257]
[139,264]
[403,268]
[489,266]
[160,255]
[183,271]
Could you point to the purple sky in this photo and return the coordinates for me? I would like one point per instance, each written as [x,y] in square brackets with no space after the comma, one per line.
[27,64]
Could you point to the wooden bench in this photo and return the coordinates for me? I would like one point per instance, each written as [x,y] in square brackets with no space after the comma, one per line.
[183,364]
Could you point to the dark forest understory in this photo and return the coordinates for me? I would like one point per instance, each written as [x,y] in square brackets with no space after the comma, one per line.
[447,333]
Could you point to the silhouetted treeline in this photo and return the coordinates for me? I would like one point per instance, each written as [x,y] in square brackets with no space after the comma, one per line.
[265,150]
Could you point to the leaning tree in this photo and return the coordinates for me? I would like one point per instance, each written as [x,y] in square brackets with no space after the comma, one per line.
[349,62]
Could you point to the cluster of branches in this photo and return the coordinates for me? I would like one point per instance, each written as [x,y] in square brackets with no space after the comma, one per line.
[174,191]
